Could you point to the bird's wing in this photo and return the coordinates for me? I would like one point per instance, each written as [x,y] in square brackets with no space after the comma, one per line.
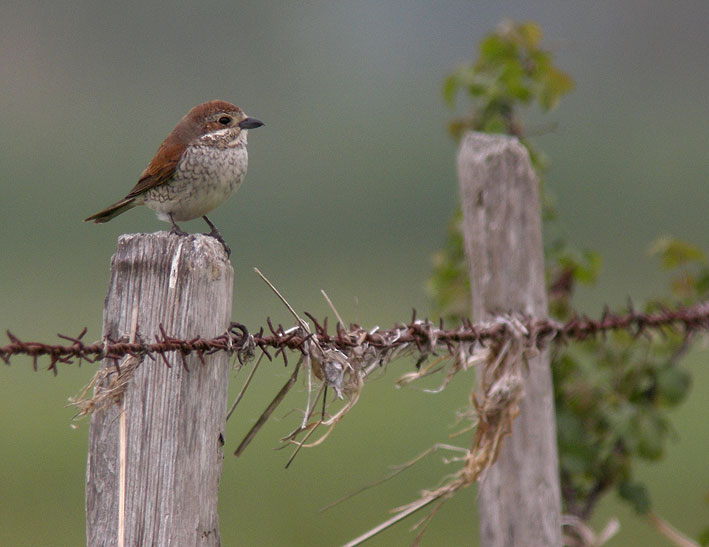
[160,169]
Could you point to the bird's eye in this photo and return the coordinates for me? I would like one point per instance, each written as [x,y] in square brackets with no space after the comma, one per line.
[224,120]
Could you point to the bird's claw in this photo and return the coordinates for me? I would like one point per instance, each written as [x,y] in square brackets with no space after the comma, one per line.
[216,235]
[176,231]
[175,228]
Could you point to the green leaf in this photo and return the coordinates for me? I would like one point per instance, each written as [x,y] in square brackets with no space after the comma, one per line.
[650,430]
[494,125]
[583,266]
[621,421]
[556,84]
[636,494]
[513,83]
[673,385]
[530,34]
[674,252]
[701,284]
[587,268]
[450,89]
[495,50]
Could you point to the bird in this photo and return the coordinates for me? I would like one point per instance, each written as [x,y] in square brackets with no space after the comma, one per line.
[197,167]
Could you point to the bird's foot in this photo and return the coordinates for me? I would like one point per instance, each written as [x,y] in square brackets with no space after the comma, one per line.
[217,235]
[175,228]
[176,231]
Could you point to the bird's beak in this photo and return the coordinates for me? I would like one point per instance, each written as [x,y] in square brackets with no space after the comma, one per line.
[250,123]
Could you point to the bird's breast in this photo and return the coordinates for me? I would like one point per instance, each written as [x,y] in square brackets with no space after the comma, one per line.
[204,178]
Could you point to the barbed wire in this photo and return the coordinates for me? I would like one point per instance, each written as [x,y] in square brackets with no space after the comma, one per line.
[422,334]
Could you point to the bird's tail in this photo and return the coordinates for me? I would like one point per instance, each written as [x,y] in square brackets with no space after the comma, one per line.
[112,211]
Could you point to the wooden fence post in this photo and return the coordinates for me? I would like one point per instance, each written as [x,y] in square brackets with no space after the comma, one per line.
[155,457]
[519,498]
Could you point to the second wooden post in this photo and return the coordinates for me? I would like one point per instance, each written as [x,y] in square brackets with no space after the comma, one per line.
[519,497]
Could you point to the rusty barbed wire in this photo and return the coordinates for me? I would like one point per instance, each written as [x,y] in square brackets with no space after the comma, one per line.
[422,334]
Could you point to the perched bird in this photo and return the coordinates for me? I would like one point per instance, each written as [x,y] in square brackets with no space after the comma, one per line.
[200,163]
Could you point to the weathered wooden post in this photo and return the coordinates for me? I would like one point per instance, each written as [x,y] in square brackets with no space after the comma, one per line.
[155,457]
[519,498]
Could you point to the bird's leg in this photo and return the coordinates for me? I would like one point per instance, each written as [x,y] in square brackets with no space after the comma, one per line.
[217,235]
[175,228]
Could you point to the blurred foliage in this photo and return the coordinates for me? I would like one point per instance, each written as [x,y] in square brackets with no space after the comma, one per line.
[511,70]
[611,394]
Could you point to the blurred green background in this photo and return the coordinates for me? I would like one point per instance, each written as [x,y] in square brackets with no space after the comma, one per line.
[349,189]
